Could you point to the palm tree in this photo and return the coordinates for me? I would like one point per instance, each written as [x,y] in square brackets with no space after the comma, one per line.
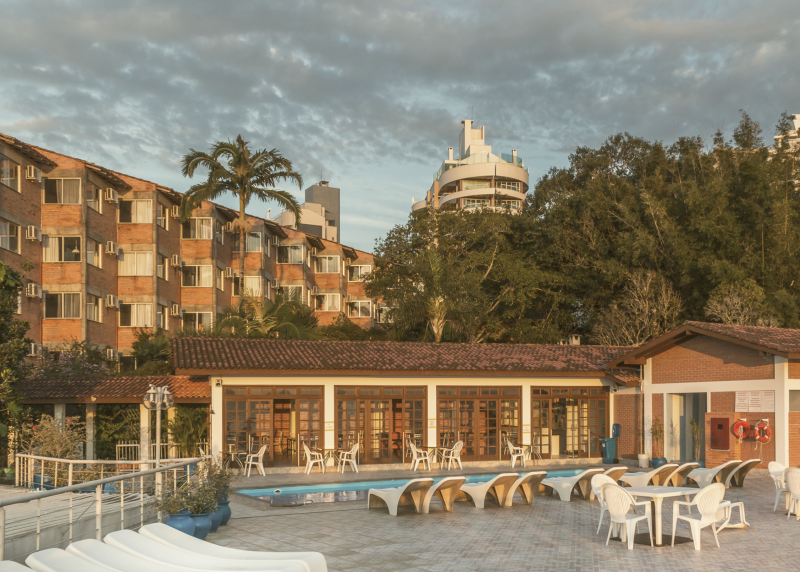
[233,168]
[254,317]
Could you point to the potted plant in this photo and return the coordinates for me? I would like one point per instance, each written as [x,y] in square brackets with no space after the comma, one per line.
[175,504]
[657,432]
[214,474]
[201,500]
[695,428]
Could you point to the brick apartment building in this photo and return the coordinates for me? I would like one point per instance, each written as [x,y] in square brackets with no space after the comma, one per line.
[103,253]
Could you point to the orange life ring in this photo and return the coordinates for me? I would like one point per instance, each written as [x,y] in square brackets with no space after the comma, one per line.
[741,429]
[762,432]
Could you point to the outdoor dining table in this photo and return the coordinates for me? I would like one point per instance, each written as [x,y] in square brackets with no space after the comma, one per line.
[657,494]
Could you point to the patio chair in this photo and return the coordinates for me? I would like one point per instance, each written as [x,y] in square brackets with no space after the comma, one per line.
[418,457]
[526,485]
[791,477]
[315,561]
[257,460]
[677,477]
[565,485]
[656,476]
[446,491]
[618,503]
[707,502]
[350,457]
[313,458]
[55,559]
[776,472]
[498,487]
[704,477]
[615,473]
[736,478]
[516,453]
[411,493]
[597,485]
[453,454]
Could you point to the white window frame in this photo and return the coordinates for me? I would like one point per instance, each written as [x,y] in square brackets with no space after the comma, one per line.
[349,268]
[199,276]
[162,312]
[19,304]
[359,304]
[330,262]
[61,190]
[479,203]
[141,262]
[198,314]
[137,209]
[97,253]
[514,205]
[250,239]
[163,267]
[257,280]
[195,228]
[99,198]
[60,310]
[510,185]
[219,232]
[292,247]
[148,322]
[61,249]
[5,236]
[97,305]
[161,208]
[327,296]
[17,174]
[219,274]
[286,288]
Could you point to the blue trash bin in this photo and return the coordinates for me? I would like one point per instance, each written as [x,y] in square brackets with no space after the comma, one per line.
[608,445]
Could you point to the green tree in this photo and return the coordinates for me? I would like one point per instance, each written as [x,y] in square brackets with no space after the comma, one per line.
[234,168]
[743,304]
[152,350]
[343,328]
[254,317]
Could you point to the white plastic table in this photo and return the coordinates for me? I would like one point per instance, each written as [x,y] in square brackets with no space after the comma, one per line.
[657,496]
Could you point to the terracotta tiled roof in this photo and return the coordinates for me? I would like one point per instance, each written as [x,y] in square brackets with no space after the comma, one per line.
[207,355]
[28,150]
[778,339]
[122,389]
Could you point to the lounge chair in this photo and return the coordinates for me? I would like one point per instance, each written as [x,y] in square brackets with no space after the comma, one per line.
[446,491]
[526,485]
[597,485]
[498,487]
[619,503]
[411,493]
[791,477]
[776,472]
[615,473]
[312,458]
[707,503]
[57,560]
[704,477]
[418,457]
[564,485]
[257,460]
[453,454]
[656,476]
[11,566]
[139,545]
[515,453]
[351,457]
[678,476]
[177,539]
[736,478]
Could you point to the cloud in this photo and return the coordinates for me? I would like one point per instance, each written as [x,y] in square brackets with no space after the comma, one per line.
[372,92]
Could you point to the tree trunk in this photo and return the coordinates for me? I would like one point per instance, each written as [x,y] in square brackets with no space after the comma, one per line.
[242,239]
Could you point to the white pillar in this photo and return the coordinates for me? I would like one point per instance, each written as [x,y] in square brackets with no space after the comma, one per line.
[91,411]
[144,434]
[525,388]
[781,428]
[431,415]
[60,411]
[329,417]
[217,418]
[648,407]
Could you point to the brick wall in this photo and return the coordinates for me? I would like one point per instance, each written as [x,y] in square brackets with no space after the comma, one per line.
[105,332]
[134,286]
[61,273]
[794,438]
[708,359]
[794,369]
[196,249]
[722,401]
[627,409]
[192,296]
[658,413]
[748,448]
[103,278]
[60,330]
[61,215]
[129,233]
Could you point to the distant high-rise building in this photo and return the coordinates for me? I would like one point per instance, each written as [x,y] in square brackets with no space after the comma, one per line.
[319,215]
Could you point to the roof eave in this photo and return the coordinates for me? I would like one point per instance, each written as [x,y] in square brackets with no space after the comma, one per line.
[386,373]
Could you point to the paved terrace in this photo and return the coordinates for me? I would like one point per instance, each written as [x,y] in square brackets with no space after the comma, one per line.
[549,535]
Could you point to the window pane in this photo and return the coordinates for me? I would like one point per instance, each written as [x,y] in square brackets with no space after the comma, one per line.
[51,305]
[72,249]
[72,192]
[9,236]
[142,211]
[72,305]
[125,209]
[8,173]
[327,265]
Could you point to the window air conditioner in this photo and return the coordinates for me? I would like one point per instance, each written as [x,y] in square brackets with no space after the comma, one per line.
[315,290]
[112,196]
[33,233]
[176,211]
[112,248]
[33,290]
[33,173]
[275,283]
[112,301]
[276,241]
[176,260]
[349,298]
[313,251]
[35,349]
[111,354]
[228,227]
[229,273]
[176,310]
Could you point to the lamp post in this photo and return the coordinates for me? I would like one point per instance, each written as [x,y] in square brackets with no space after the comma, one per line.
[158,399]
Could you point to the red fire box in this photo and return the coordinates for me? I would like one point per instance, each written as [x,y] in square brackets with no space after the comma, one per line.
[720,433]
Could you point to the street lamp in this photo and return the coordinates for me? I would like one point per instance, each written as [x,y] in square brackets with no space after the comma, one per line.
[158,399]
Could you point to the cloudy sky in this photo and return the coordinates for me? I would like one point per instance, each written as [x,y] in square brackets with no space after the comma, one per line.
[371,93]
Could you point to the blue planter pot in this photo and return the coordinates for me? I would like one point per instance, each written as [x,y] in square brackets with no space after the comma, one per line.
[191,469]
[37,482]
[225,511]
[183,522]
[659,462]
[216,520]
[202,525]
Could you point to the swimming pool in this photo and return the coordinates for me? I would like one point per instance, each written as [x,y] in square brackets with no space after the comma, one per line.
[341,492]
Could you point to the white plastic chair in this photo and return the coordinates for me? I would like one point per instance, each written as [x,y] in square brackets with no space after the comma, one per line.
[618,503]
[351,457]
[564,485]
[720,474]
[453,454]
[657,476]
[791,477]
[516,453]
[498,487]
[707,502]
[446,491]
[413,493]
[177,539]
[256,459]
[776,472]
[418,457]
[597,485]
[312,458]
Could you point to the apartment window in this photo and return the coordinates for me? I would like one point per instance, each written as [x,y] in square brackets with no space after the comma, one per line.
[94,306]
[19,303]
[62,305]
[327,265]
[61,248]
[197,229]
[136,211]
[220,275]
[507,185]
[9,236]
[162,317]
[94,253]
[196,276]
[252,286]
[161,267]
[290,255]
[9,173]
[476,184]
[93,197]
[162,216]
[253,243]
[383,315]
[136,315]
[475,203]
[135,264]
[62,191]
[357,273]
[326,302]
[359,309]
[294,293]
[197,320]
[218,232]
[513,205]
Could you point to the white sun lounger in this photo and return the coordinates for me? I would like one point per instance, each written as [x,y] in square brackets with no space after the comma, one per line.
[498,487]
[177,539]
[526,485]
[678,476]
[149,549]
[11,566]
[411,493]
[736,478]
[704,477]
[57,560]
[564,485]
[615,473]
[657,476]
[446,491]
[107,556]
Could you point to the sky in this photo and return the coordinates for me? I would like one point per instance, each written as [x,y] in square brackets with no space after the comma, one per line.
[370,94]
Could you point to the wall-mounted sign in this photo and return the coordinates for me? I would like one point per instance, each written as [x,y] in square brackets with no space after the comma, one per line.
[329,425]
[755,402]
[431,423]
[526,428]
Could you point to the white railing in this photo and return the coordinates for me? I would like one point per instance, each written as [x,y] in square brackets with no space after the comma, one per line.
[129,450]
[62,515]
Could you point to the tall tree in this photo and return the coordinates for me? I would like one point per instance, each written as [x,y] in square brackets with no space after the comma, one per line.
[254,317]
[234,168]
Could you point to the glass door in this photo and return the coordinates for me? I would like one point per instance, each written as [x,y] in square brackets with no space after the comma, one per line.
[378,431]
[309,421]
[540,423]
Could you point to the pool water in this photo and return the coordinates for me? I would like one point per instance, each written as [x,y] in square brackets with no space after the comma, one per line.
[341,492]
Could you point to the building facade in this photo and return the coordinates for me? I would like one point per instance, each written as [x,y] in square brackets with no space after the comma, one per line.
[477,178]
[319,215]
